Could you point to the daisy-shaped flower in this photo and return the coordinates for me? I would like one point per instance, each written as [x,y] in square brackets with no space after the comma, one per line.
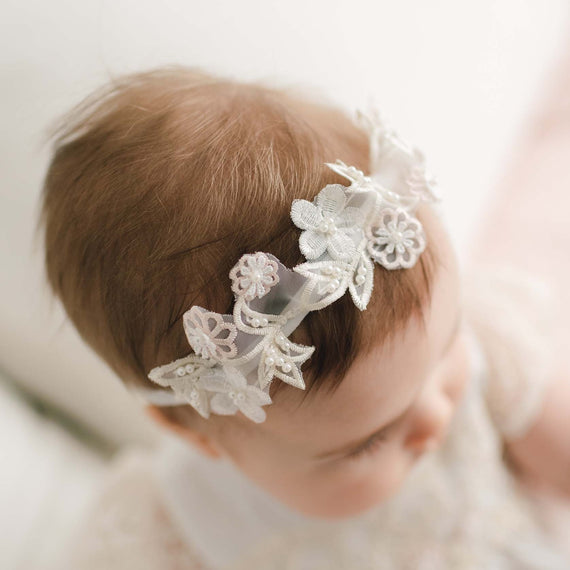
[253,275]
[209,335]
[397,240]
[237,395]
[328,224]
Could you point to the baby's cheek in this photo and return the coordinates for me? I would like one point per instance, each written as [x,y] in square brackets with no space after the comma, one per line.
[460,369]
[361,484]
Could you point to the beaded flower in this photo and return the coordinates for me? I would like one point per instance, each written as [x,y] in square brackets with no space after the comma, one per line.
[253,276]
[328,224]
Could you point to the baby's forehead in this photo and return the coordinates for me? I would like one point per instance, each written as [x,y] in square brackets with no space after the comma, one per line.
[378,382]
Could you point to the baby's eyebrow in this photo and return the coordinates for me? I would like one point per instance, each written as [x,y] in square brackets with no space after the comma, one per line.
[355,445]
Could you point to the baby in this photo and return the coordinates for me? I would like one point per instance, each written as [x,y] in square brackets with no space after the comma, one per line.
[175,208]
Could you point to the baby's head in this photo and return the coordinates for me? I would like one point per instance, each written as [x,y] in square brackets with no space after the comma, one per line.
[159,183]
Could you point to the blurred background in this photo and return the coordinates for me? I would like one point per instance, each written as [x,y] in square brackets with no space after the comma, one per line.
[458,79]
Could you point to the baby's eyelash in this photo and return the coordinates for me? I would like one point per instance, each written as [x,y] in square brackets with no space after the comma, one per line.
[369,447]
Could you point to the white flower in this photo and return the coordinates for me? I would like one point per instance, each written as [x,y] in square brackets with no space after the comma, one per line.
[237,395]
[253,276]
[328,224]
[397,240]
[361,283]
[208,334]
[186,378]
[191,390]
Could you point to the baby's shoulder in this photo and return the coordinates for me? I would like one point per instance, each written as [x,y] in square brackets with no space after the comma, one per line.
[511,315]
[127,525]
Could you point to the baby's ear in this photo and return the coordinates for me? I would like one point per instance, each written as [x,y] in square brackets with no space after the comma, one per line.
[202,441]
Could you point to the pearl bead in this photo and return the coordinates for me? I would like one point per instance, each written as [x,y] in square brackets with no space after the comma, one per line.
[255,322]
[240,397]
[270,361]
[280,362]
[286,367]
[180,371]
[361,270]
[264,322]
[189,368]
[327,226]
[335,283]
[360,279]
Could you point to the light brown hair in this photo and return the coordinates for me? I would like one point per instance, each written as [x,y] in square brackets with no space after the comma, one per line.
[161,180]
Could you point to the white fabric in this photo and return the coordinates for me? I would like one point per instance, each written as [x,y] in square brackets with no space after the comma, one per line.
[460,508]
[128,526]
[229,512]
[518,312]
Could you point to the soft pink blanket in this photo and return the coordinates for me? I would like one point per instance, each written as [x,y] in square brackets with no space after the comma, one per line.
[527,225]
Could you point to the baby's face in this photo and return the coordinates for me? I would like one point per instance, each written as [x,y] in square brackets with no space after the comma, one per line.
[342,453]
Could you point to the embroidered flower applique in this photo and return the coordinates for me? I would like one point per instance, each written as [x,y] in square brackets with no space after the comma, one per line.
[397,240]
[189,386]
[253,276]
[208,334]
[187,377]
[237,395]
[328,224]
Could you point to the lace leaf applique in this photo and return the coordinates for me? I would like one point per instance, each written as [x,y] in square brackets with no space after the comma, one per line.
[361,282]
[188,377]
[329,279]
[359,181]
[282,358]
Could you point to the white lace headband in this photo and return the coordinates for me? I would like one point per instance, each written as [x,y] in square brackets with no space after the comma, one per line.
[345,229]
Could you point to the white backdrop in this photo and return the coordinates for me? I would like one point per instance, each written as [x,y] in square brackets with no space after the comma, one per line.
[456,78]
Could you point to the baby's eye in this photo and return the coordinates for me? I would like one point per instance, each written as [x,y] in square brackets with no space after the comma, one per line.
[369,447]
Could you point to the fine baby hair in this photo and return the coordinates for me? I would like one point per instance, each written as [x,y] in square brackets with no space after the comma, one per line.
[167,187]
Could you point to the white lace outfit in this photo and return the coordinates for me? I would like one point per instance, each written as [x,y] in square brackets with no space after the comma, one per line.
[459,509]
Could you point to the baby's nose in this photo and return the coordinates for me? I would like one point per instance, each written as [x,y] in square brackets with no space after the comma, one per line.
[429,423]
